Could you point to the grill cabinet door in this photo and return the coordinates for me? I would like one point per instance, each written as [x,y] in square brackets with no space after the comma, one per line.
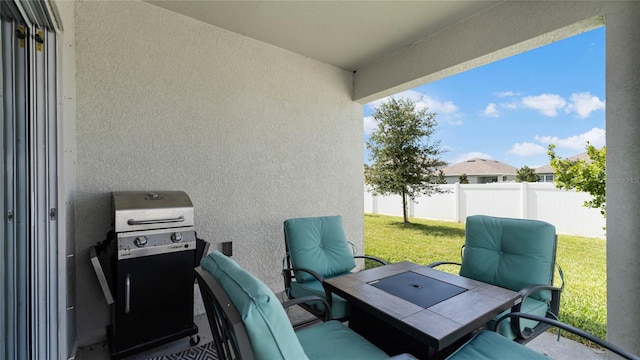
[155,298]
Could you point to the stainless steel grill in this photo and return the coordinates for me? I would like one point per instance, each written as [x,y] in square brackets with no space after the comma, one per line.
[135,210]
[145,268]
[148,223]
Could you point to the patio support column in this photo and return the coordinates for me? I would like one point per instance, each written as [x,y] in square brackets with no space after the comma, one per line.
[623,174]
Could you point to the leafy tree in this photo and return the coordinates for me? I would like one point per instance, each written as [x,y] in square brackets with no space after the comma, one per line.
[463,179]
[527,174]
[440,178]
[404,156]
[587,176]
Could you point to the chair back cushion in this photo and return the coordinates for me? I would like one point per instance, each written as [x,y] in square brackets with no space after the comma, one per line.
[268,327]
[511,253]
[319,244]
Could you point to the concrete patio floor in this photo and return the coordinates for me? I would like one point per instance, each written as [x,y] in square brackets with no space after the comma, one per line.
[565,349]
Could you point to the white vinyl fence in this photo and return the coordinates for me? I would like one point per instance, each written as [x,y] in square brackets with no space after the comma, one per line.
[537,201]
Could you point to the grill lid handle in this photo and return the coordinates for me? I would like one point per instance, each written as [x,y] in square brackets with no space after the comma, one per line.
[157,221]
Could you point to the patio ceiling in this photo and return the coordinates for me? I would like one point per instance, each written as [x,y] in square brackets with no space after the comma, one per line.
[346,34]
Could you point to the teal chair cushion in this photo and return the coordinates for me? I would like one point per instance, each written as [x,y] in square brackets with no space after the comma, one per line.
[511,253]
[268,327]
[332,340]
[490,345]
[339,306]
[319,244]
[529,306]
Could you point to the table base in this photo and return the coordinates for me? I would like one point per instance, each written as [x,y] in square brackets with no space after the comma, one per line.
[394,341]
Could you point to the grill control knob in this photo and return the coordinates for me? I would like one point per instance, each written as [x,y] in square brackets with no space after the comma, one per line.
[176,237]
[140,241]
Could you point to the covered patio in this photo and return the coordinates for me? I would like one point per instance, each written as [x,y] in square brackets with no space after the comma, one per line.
[255,110]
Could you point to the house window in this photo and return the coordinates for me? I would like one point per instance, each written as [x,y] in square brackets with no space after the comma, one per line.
[488,180]
[504,178]
[546,178]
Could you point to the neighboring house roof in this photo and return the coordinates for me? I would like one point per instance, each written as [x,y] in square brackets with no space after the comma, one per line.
[479,166]
[547,169]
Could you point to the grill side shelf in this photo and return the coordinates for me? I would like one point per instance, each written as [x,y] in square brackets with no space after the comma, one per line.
[100,261]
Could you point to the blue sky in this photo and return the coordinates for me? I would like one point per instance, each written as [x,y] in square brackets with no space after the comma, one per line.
[511,110]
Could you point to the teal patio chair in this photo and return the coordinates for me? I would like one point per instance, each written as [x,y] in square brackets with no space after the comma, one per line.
[489,345]
[248,322]
[519,255]
[317,249]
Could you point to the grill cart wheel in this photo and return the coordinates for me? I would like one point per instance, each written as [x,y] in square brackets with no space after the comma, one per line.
[194,340]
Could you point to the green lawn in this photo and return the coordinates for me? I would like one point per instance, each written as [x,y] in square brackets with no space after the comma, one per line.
[583,302]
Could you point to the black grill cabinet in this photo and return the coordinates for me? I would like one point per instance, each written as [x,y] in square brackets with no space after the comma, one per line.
[145,268]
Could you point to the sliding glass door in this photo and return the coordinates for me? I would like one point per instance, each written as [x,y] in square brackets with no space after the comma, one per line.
[29,247]
[15,226]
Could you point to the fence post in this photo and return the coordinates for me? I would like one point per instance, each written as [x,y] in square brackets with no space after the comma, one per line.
[456,204]
[411,208]
[524,199]
[374,203]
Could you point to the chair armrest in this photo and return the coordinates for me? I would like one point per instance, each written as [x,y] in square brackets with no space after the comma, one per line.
[287,272]
[371,258]
[307,299]
[554,306]
[438,263]
[308,271]
[605,344]
[555,296]
[354,251]
[317,276]
[526,292]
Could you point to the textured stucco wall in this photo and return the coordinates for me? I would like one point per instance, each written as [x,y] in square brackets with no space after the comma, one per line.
[623,170]
[254,135]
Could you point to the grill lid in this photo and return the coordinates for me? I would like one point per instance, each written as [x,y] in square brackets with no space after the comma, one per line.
[142,210]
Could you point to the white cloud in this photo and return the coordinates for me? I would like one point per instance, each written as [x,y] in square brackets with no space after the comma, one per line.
[547,104]
[595,136]
[447,107]
[526,149]
[446,110]
[584,104]
[509,105]
[369,124]
[470,155]
[434,105]
[507,94]
[491,110]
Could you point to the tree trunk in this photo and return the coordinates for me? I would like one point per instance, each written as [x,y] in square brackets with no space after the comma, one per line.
[404,208]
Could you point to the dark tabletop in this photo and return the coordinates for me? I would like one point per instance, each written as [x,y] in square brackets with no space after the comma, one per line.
[438,325]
